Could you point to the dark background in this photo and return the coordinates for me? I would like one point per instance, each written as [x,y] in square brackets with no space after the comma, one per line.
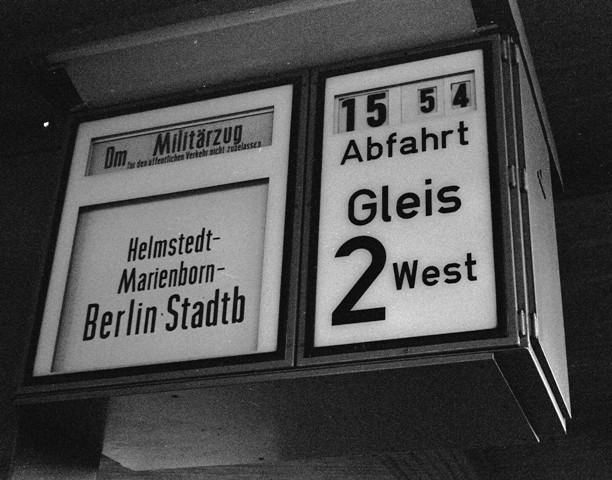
[571,45]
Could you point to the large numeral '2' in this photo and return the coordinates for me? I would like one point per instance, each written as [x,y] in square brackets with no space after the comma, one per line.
[344,313]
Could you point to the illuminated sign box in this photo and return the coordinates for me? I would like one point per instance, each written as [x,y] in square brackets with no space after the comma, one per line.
[173,240]
[185,251]
[407,250]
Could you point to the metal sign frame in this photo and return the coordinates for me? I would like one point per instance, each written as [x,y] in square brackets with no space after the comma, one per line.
[296,345]
[508,279]
[286,248]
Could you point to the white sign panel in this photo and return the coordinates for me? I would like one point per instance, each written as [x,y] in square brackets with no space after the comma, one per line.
[405,245]
[171,239]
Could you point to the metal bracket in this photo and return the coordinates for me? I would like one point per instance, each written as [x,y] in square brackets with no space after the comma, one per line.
[516,52]
[523,179]
[512,177]
[522,323]
[505,55]
[535,331]
[510,51]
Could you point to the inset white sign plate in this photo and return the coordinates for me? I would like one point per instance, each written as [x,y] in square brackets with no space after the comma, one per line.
[405,245]
[170,244]
[180,276]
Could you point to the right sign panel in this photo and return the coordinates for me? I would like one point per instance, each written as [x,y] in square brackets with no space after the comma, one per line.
[405,238]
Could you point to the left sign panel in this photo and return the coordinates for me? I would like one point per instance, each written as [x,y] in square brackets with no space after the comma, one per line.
[171,240]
